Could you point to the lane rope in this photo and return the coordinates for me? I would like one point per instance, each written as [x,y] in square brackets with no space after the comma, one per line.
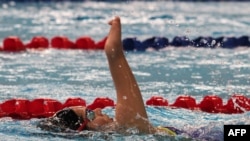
[18,108]
[15,44]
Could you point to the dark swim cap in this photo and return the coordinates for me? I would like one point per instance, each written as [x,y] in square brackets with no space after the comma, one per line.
[61,121]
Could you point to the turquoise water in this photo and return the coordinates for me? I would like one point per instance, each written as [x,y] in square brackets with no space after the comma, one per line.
[61,74]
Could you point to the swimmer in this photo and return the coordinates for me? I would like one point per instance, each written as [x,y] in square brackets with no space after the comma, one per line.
[130,112]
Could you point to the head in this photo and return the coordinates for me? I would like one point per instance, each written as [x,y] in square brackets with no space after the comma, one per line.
[76,118]
[61,121]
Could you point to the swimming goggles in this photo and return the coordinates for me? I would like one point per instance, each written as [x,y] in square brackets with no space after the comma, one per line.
[90,116]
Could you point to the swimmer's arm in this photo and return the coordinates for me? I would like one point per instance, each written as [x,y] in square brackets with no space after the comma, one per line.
[130,109]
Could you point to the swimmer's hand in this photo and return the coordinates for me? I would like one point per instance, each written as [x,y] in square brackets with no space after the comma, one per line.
[113,45]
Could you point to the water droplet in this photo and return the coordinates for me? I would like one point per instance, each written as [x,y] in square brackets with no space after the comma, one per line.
[4,6]
[213,43]
[137,116]
[12,3]
[124,97]
[161,91]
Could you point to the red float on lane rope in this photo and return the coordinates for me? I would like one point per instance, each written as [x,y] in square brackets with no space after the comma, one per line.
[13,44]
[157,101]
[74,102]
[100,45]
[62,42]
[238,104]
[85,43]
[101,102]
[15,108]
[212,104]
[185,101]
[38,42]
[42,108]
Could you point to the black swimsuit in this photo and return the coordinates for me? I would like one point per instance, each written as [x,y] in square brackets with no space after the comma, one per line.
[61,121]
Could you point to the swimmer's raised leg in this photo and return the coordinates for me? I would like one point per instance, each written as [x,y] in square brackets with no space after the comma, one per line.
[130,109]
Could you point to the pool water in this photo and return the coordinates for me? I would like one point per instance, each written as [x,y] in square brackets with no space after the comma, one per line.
[61,74]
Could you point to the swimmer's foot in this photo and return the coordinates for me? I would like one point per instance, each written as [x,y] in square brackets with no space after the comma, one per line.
[113,44]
